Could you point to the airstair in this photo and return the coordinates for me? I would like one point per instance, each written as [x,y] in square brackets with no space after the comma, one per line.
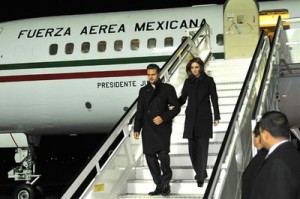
[183,184]
[246,88]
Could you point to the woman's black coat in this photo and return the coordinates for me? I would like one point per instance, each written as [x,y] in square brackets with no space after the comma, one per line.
[151,103]
[200,92]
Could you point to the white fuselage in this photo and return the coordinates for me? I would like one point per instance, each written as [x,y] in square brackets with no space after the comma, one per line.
[88,91]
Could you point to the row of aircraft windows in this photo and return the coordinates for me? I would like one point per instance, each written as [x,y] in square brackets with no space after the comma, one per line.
[118,45]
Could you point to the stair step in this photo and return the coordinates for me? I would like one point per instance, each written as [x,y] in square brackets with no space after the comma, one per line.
[223,100]
[229,77]
[178,127]
[181,147]
[176,136]
[221,106]
[232,92]
[229,86]
[184,159]
[227,100]
[227,69]
[177,187]
[171,196]
[228,63]
[225,117]
[179,173]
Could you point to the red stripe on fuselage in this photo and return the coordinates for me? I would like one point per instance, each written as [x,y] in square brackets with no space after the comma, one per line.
[78,75]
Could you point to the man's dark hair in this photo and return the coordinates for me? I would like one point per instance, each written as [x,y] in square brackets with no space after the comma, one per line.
[276,123]
[256,129]
[154,66]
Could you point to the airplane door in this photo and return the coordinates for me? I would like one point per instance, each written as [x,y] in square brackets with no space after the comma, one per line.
[241,28]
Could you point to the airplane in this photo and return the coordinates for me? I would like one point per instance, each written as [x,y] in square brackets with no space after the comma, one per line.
[78,74]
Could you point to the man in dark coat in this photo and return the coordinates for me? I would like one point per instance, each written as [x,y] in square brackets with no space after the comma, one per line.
[279,175]
[254,165]
[200,90]
[155,119]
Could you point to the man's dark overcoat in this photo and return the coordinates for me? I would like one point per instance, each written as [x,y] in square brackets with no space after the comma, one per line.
[251,171]
[200,92]
[279,176]
[151,103]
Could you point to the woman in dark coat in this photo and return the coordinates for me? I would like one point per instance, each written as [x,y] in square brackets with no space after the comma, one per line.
[200,90]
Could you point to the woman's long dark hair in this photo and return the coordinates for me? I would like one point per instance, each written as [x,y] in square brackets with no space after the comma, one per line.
[189,65]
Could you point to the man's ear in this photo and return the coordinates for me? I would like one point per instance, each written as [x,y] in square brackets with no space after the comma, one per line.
[265,134]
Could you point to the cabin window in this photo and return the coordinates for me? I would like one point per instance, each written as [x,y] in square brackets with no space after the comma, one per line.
[168,42]
[85,47]
[69,48]
[118,45]
[151,43]
[220,39]
[53,49]
[135,44]
[102,46]
[241,19]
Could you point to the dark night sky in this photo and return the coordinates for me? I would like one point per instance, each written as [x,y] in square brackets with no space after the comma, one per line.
[11,10]
[30,8]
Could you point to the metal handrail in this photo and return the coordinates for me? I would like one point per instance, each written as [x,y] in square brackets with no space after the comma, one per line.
[228,145]
[123,127]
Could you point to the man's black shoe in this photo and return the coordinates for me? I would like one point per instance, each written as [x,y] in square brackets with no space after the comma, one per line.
[167,190]
[157,191]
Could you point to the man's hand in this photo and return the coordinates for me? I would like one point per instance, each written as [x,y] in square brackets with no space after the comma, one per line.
[157,120]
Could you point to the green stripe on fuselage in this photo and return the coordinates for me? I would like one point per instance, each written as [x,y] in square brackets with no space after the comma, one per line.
[91,62]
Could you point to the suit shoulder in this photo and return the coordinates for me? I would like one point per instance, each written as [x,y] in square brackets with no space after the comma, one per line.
[167,85]
[287,152]
[209,77]
[143,88]
[188,80]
